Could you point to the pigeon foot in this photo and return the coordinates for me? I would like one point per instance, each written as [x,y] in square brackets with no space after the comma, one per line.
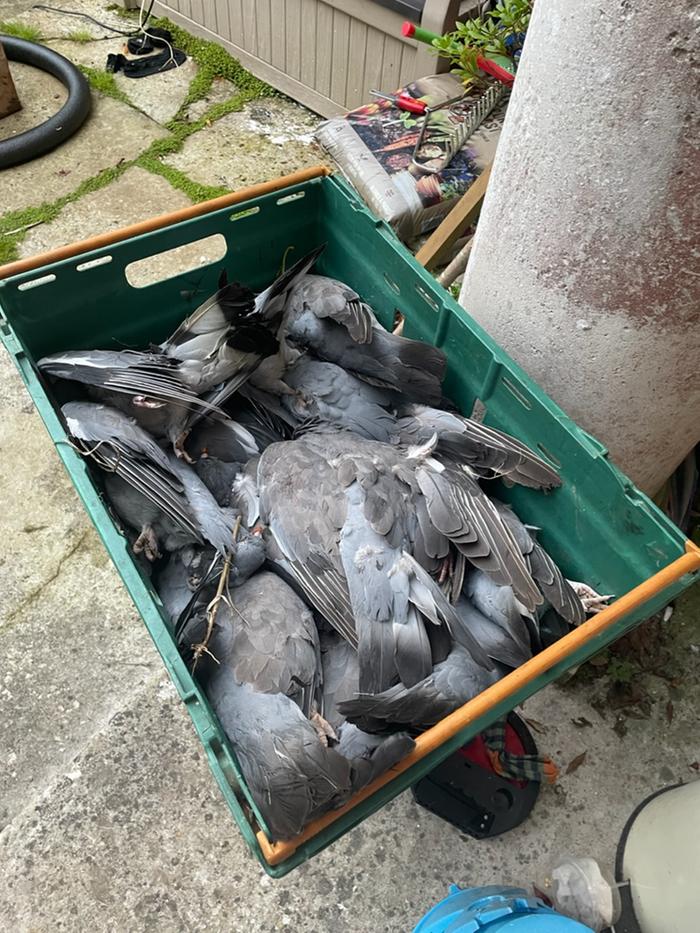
[592,602]
[147,544]
[326,732]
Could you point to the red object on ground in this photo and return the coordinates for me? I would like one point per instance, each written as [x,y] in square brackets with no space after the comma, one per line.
[477,751]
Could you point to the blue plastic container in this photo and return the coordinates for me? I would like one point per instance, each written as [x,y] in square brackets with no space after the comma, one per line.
[495,909]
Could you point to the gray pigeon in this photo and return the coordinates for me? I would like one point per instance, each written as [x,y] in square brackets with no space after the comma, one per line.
[147,387]
[293,776]
[346,515]
[451,684]
[266,679]
[487,451]
[221,344]
[331,319]
[147,505]
[140,471]
[326,393]
[266,638]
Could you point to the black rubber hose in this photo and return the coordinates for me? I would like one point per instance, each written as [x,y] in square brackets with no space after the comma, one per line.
[61,126]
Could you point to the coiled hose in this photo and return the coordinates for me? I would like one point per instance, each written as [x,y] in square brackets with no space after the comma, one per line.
[61,126]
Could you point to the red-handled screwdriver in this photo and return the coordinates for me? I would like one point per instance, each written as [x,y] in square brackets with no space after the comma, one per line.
[403,102]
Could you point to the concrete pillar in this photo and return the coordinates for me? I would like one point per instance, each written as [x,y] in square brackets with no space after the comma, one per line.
[585,264]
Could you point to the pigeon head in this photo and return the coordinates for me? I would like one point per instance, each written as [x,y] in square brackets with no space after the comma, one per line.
[249,557]
[253,338]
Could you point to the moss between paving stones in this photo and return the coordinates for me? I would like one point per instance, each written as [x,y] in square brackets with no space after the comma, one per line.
[80,35]
[213,62]
[104,83]
[21,31]
[14,226]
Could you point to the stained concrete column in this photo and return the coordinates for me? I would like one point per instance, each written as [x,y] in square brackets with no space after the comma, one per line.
[585,265]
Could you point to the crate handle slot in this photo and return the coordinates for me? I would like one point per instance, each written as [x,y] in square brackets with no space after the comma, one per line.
[179,260]
[291,197]
[93,263]
[36,283]
[516,393]
[247,212]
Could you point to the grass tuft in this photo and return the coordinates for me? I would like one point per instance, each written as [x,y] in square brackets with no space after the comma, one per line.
[21,31]
[104,83]
[80,35]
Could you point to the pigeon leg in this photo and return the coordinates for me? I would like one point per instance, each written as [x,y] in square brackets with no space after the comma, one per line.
[179,447]
[147,543]
[592,601]
[325,730]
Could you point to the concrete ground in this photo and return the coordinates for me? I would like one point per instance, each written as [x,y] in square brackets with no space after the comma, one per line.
[109,817]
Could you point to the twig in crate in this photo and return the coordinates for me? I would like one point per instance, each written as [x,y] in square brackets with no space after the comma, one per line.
[213,607]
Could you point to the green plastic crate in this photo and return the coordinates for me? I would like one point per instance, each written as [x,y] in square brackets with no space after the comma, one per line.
[598,526]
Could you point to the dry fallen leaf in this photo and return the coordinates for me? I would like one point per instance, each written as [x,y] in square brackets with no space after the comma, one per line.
[669,712]
[581,722]
[695,765]
[575,763]
[535,725]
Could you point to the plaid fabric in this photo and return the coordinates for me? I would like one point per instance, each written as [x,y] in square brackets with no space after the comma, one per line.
[517,767]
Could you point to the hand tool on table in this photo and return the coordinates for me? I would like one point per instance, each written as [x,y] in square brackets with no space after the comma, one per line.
[475,117]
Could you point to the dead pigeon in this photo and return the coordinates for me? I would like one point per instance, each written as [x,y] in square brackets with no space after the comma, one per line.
[263,689]
[325,393]
[451,684]
[145,386]
[221,344]
[485,450]
[348,516]
[139,470]
[331,319]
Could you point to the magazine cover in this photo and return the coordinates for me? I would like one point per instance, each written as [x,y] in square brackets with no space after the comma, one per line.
[374,147]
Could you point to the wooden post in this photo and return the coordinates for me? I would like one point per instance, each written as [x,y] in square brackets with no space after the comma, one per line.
[9,101]
[438,244]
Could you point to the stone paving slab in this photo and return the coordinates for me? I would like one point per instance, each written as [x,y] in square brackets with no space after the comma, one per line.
[58,25]
[220,91]
[268,138]
[90,54]
[135,835]
[136,195]
[159,96]
[36,108]
[113,132]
